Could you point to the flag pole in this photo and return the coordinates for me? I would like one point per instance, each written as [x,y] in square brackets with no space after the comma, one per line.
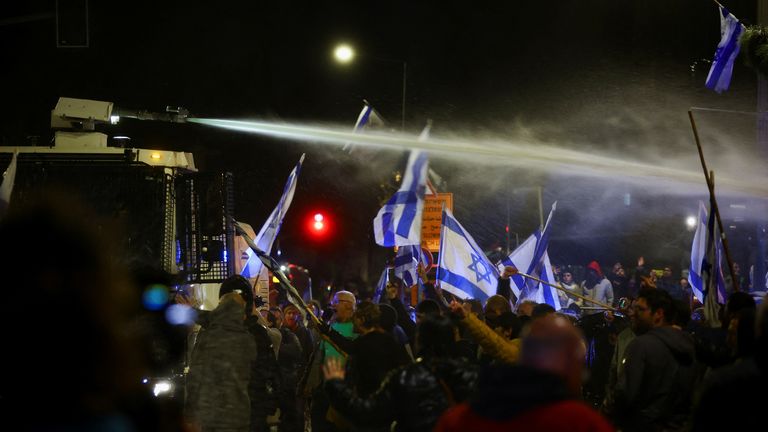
[291,291]
[563,289]
[713,203]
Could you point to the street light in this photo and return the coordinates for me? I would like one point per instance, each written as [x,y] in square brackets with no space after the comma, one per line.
[690,222]
[344,54]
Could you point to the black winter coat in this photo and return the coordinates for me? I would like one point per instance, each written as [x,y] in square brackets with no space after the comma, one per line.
[414,396]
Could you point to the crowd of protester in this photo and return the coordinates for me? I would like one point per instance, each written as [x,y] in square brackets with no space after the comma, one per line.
[649,362]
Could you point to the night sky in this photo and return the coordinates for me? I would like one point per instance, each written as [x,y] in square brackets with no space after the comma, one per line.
[609,77]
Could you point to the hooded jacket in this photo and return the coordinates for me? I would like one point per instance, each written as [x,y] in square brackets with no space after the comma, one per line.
[655,390]
[219,371]
[521,398]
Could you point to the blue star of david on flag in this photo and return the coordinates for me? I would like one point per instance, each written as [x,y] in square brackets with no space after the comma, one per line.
[463,270]
[481,271]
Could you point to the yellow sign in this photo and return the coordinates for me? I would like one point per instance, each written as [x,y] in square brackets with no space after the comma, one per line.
[432,218]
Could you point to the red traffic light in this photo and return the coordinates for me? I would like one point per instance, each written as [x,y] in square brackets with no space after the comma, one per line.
[318,225]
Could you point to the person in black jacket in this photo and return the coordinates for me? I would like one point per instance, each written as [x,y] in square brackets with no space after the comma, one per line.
[373,354]
[655,389]
[413,396]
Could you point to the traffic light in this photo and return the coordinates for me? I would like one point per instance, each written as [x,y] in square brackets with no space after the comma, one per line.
[319,225]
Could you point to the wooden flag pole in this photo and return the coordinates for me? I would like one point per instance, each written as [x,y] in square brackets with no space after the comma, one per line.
[561,288]
[713,203]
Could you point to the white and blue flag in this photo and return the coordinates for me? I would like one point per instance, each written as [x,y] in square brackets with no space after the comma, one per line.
[531,257]
[268,233]
[398,223]
[719,77]
[463,269]
[407,263]
[702,268]
[368,118]
[381,285]
[699,255]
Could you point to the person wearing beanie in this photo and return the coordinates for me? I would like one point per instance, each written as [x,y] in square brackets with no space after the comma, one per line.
[596,286]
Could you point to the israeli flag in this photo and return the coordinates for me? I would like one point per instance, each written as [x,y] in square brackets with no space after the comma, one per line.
[6,188]
[699,255]
[368,118]
[532,258]
[268,233]
[463,269]
[719,77]
[407,262]
[398,223]
[381,285]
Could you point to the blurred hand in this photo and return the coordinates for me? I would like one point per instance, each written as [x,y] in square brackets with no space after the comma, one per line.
[392,291]
[332,369]
[187,300]
[422,273]
[458,309]
[508,272]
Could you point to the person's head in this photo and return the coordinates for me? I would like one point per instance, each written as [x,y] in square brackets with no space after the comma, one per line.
[426,308]
[278,314]
[435,337]
[268,317]
[667,274]
[232,302]
[241,286]
[594,274]
[495,306]
[653,308]
[291,316]
[567,277]
[525,308]
[367,317]
[476,307]
[506,325]
[684,283]
[554,345]
[617,267]
[542,309]
[344,303]
[736,268]
[388,318]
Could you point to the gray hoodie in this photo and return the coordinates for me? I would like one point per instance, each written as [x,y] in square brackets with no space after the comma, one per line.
[220,369]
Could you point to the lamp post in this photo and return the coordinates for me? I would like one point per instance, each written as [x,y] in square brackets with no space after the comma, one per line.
[345,54]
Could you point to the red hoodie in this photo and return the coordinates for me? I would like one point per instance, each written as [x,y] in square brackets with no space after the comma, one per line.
[567,415]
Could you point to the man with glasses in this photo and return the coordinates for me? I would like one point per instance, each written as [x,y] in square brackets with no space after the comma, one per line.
[655,387]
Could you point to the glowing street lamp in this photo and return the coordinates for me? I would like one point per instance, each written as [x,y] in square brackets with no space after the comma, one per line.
[344,54]
[690,222]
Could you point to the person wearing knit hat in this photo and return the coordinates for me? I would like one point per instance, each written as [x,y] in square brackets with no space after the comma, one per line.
[596,286]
